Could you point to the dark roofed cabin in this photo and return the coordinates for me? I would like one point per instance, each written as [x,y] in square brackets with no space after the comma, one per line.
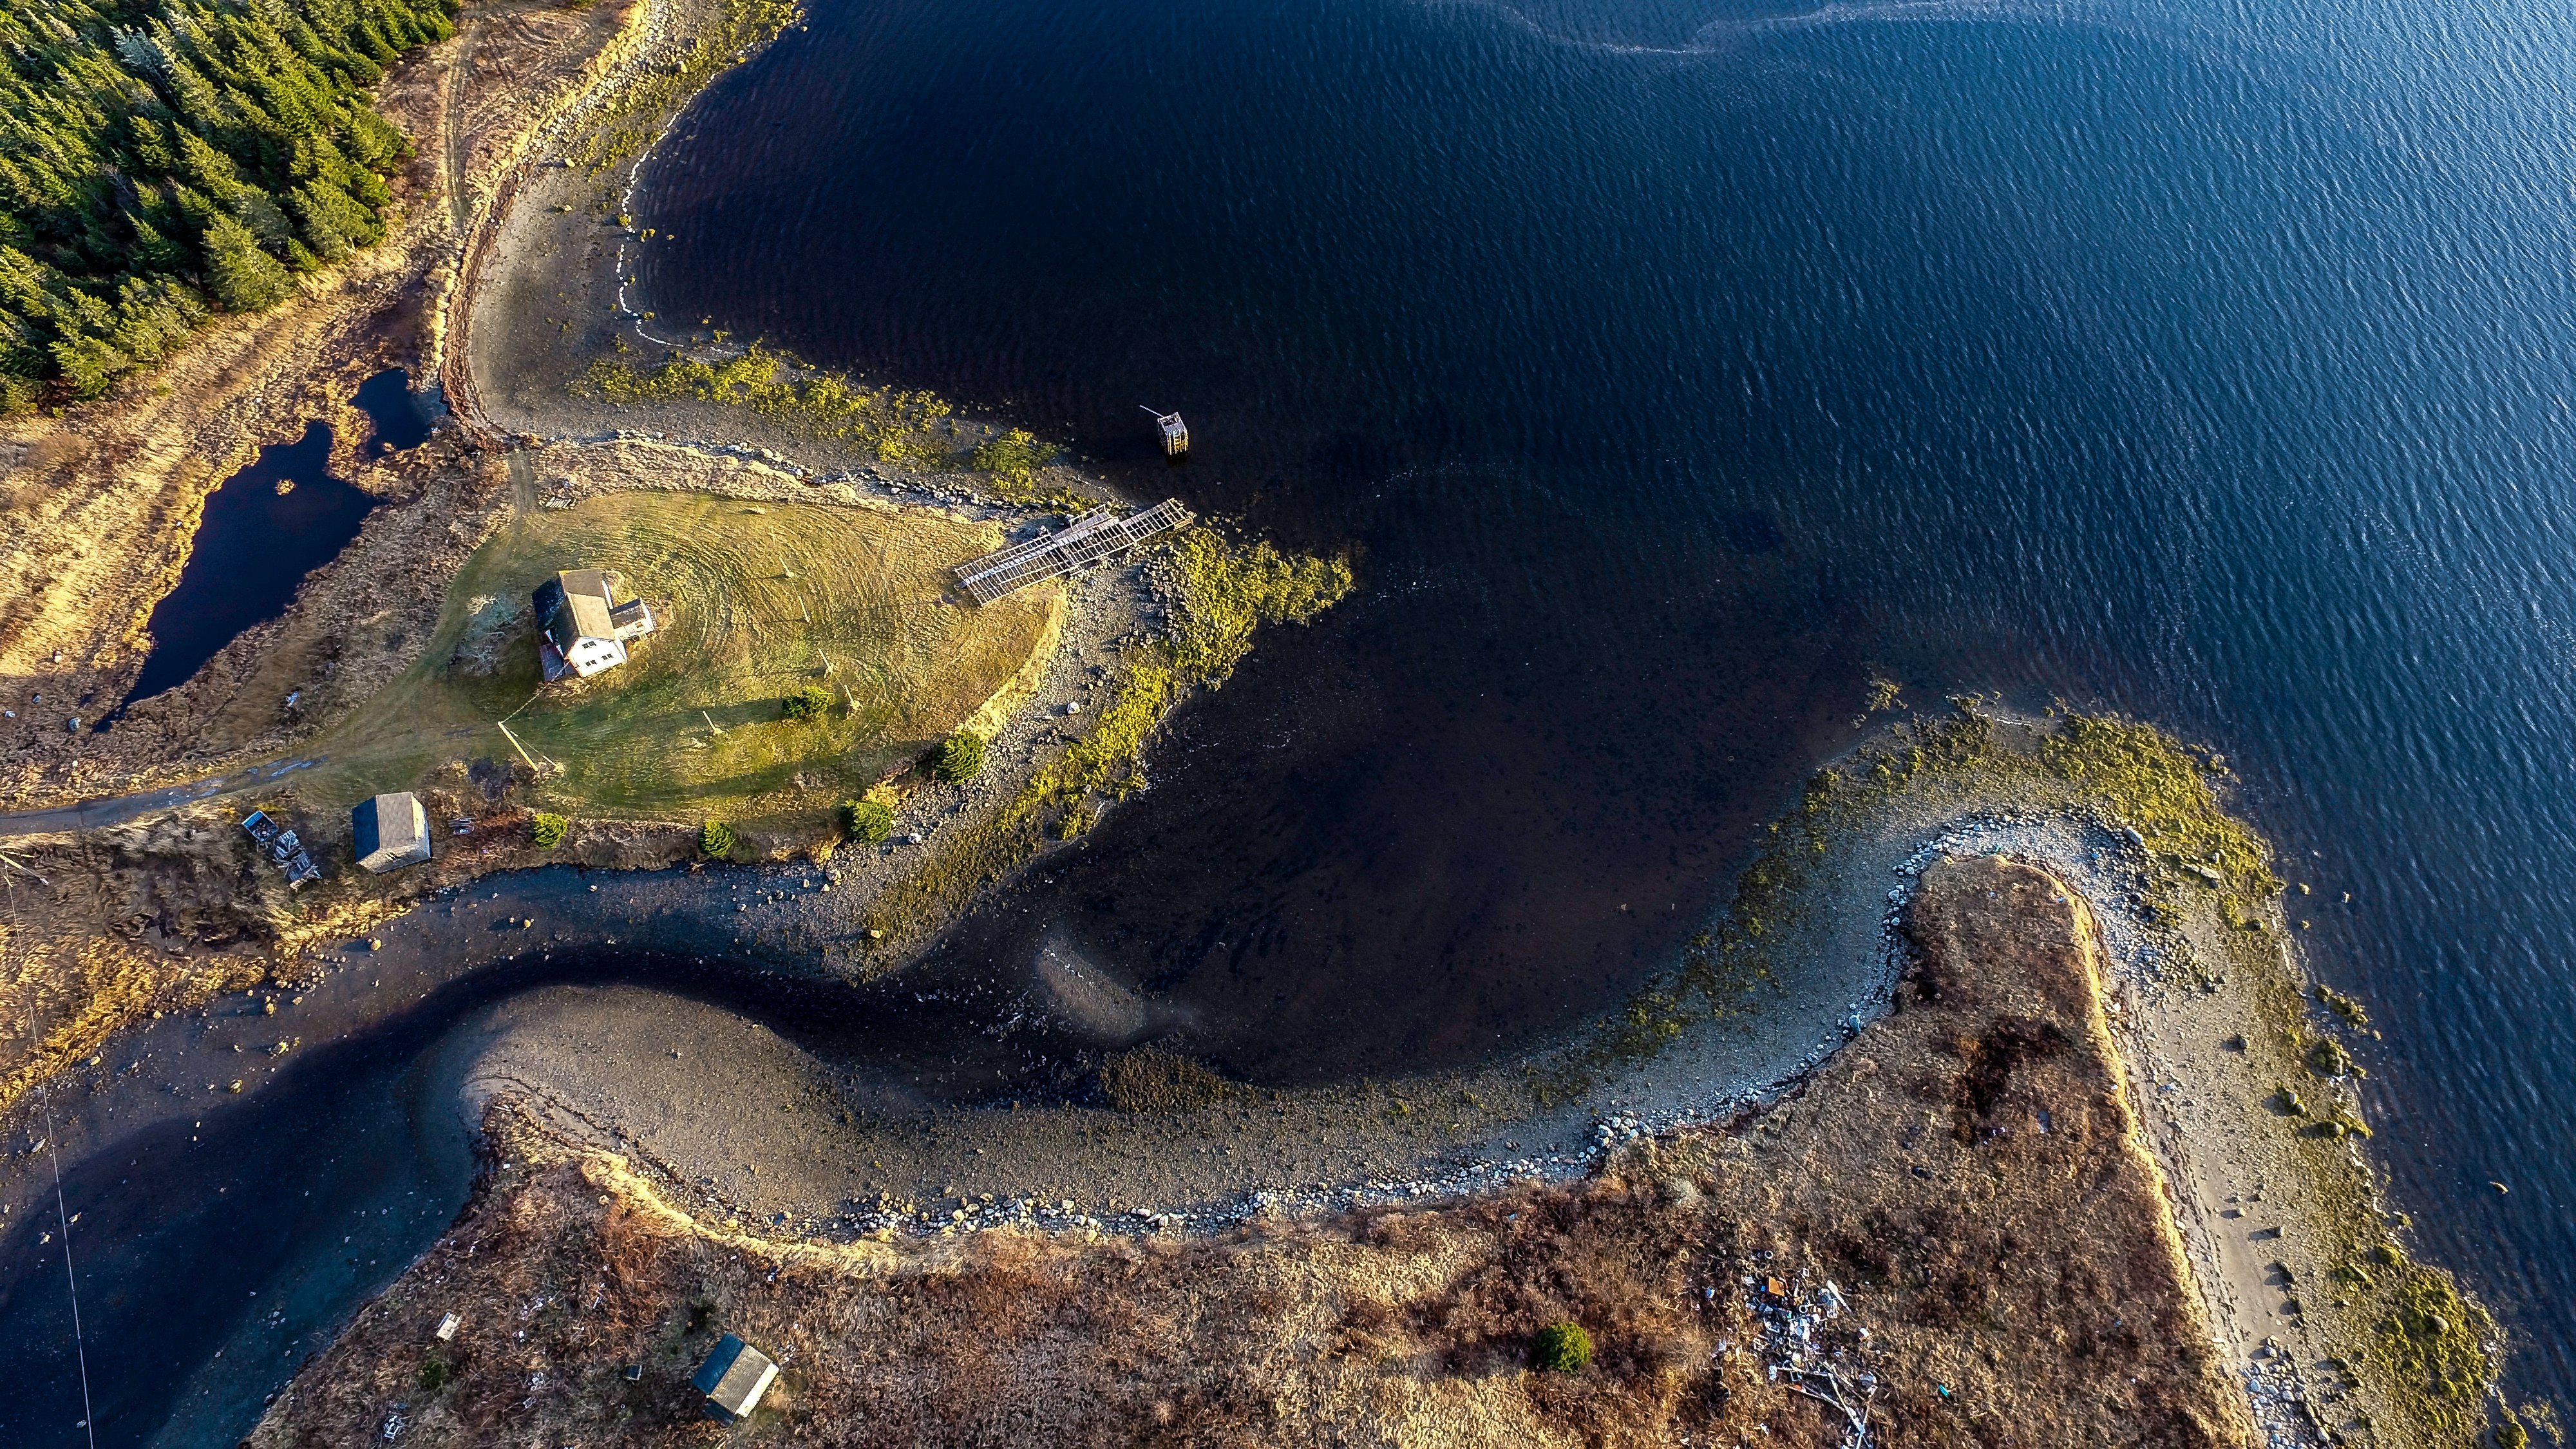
[733,1378]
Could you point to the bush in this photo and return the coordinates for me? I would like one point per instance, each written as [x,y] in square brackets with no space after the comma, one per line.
[715,838]
[961,758]
[811,702]
[548,830]
[868,820]
[1013,459]
[1562,1348]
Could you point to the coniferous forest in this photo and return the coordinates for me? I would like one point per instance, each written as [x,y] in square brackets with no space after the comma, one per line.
[162,160]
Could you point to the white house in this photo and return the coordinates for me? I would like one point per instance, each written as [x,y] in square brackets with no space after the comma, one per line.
[582,629]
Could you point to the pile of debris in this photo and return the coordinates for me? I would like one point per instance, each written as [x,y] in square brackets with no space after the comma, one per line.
[1792,1353]
[280,845]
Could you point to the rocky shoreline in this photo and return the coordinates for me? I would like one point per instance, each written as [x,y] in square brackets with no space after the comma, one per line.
[933,1141]
[1716,1268]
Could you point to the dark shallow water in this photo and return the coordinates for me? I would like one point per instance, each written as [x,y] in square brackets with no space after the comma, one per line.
[220,1239]
[254,545]
[1672,365]
[398,418]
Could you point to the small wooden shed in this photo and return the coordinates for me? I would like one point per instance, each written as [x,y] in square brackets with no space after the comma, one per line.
[733,1378]
[392,831]
[1176,434]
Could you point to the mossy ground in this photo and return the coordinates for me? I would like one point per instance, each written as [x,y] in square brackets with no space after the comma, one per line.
[755,603]
[894,425]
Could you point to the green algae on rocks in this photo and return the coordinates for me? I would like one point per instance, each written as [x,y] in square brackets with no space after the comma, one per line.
[1219,591]
[2418,1350]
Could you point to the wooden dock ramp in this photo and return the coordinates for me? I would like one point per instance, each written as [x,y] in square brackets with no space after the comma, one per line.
[1091,537]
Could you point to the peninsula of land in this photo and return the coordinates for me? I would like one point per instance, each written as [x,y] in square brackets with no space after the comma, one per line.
[1995,1108]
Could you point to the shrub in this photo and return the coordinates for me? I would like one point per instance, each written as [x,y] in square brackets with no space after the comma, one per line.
[961,758]
[1013,459]
[808,703]
[548,830]
[1562,1348]
[715,838]
[868,820]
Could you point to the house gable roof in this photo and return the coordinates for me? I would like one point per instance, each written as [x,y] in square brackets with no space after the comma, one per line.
[573,606]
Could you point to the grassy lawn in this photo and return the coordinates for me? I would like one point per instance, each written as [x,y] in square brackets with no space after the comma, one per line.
[755,601]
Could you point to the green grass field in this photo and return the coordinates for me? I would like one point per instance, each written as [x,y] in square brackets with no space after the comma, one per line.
[754,602]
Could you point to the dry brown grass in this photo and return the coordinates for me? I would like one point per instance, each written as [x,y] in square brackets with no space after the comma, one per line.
[98,931]
[2032,1272]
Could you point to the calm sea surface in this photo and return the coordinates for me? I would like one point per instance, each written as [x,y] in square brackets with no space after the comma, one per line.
[1671,366]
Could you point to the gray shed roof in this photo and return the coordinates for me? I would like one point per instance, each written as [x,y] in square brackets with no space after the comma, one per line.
[390,831]
[733,1378]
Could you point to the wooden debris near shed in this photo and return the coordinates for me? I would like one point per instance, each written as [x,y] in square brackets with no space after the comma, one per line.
[282,846]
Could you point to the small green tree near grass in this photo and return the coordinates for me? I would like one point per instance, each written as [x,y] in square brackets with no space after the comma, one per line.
[548,830]
[1562,1348]
[811,702]
[961,758]
[868,820]
[715,838]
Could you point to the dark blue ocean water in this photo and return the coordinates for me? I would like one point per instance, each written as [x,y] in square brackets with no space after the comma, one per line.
[1672,364]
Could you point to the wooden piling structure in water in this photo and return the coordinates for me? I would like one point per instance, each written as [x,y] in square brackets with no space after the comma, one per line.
[1176,434]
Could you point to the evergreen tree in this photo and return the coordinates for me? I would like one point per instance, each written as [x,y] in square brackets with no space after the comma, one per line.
[158,156]
[242,277]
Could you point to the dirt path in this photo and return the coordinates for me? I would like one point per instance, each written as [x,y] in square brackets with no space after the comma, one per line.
[460,205]
[118,809]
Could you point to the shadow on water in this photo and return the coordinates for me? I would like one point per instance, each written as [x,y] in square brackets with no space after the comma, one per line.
[216,1252]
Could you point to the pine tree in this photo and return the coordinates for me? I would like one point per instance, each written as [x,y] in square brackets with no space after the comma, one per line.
[240,275]
[160,155]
